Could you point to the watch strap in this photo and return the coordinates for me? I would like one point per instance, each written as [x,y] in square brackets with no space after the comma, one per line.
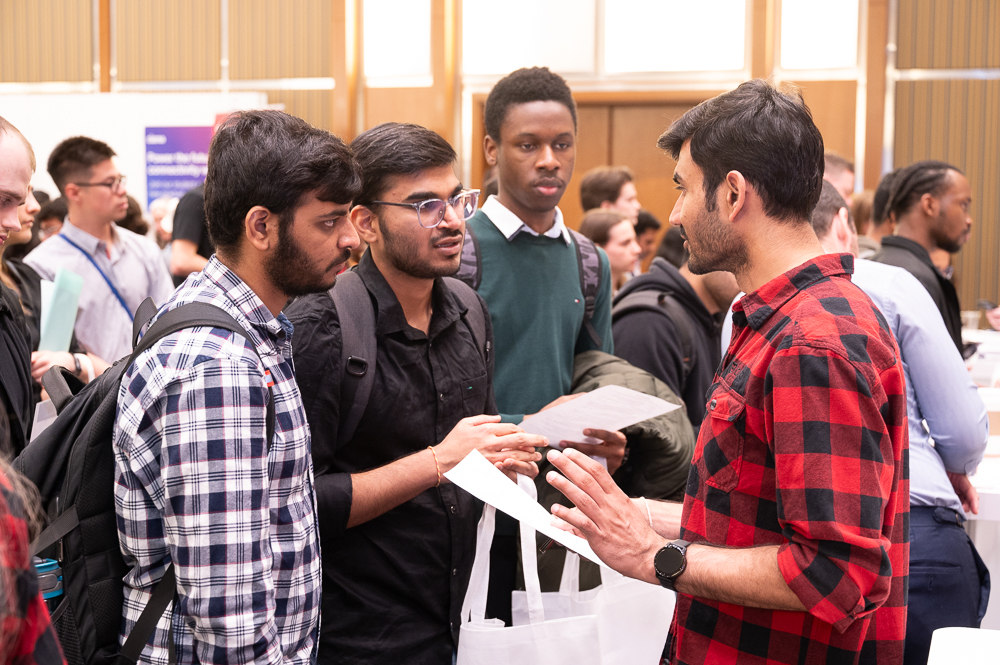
[667,581]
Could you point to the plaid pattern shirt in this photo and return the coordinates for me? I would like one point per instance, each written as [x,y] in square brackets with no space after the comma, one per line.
[198,485]
[804,446]
[26,634]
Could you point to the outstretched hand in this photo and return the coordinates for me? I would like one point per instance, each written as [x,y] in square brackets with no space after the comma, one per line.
[506,446]
[615,528]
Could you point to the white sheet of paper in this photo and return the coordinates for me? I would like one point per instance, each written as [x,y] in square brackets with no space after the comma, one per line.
[609,408]
[484,481]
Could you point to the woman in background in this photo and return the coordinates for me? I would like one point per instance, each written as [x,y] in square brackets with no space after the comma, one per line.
[613,232]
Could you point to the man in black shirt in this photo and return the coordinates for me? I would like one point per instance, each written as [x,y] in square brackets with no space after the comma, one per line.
[931,202]
[190,247]
[398,540]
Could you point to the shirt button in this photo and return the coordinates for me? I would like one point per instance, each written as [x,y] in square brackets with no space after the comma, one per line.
[454,572]
[714,401]
[454,510]
[441,397]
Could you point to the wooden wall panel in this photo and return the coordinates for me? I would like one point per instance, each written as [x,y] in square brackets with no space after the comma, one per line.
[313,106]
[636,130]
[432,107]
[833,106]
[949,34]
[46,40]
[959,122]
[593,148]
[269,39]
[168,40]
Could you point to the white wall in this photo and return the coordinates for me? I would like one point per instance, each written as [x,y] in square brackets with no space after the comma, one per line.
[118,119]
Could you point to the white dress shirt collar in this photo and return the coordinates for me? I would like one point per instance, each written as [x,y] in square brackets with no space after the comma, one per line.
[510,224]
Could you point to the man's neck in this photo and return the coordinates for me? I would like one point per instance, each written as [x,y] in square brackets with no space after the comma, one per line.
[413,293]
[252,273]
[100,229]
[876,233]
[697,283]
[539,222]
[917,232]
[776,248]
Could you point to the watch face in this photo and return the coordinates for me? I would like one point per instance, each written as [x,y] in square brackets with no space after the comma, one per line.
[668,561]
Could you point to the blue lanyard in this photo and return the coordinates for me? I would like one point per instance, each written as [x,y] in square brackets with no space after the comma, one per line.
[107,279]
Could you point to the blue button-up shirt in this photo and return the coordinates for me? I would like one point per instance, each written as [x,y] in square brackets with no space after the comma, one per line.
[198,485]
[948,423]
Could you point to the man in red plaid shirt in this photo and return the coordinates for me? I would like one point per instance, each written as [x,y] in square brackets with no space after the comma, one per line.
[793,531]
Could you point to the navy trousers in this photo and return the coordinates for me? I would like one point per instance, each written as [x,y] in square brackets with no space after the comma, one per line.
[949,583]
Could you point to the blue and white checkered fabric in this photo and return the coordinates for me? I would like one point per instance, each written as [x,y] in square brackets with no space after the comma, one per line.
[197,485]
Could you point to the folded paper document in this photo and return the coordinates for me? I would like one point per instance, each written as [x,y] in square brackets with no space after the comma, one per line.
[60,299]
[487,483]
[609,408]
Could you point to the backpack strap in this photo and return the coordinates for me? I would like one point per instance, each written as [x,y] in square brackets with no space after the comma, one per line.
[474,317]
[146,623]
[470,269]
[589,264]
[197,315]
[357,350]
[666,304]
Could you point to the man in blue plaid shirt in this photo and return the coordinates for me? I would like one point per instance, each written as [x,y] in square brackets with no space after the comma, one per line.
[197,484]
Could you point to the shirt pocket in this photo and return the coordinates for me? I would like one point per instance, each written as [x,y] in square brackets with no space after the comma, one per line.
[720,456]
[474,395]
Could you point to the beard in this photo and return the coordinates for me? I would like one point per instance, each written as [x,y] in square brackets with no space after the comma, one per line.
[405,257]
[290,269]
[717,248]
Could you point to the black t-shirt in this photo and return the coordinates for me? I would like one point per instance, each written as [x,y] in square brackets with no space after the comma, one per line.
[189,223]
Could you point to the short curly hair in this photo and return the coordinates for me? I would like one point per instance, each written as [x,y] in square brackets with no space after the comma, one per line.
[529,84]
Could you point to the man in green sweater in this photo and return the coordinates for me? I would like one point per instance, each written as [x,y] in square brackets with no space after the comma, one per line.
[530,275]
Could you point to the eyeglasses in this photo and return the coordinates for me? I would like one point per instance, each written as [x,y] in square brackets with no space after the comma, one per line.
[117,185]
[431,212]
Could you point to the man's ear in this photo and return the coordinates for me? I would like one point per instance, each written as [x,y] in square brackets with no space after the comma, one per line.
[607,205]
[842,227]
[365,222]
[929,205]
[261,228]
[71,192]
[734,194]
[490,150]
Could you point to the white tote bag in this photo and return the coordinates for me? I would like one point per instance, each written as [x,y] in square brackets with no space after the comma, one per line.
[623,621]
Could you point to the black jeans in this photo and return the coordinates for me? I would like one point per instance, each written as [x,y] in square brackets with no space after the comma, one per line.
[949,583]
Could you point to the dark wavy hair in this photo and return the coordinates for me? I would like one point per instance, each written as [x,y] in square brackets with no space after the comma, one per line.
[395,148]
[272,159]
[766,134]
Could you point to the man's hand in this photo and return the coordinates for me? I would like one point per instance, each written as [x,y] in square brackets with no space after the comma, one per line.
[613,525]
[967,494]
[42,361]
[612,447]
[506,446]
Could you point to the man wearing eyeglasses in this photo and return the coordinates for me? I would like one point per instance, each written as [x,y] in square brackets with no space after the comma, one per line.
[120,269]
[398,539]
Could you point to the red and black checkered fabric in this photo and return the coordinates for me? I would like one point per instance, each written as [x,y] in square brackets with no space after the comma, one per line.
[26,634]
[804,446]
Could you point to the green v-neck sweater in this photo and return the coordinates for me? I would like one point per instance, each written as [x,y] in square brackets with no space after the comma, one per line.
[531,285]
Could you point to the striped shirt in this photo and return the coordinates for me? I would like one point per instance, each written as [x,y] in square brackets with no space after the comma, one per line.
[198,485]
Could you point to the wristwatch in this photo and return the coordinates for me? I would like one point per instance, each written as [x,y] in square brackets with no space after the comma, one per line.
[670,562]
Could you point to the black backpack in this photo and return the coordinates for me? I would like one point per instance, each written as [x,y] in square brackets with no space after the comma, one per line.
[664,303]
[73,466]
[587,259]
[356,313]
